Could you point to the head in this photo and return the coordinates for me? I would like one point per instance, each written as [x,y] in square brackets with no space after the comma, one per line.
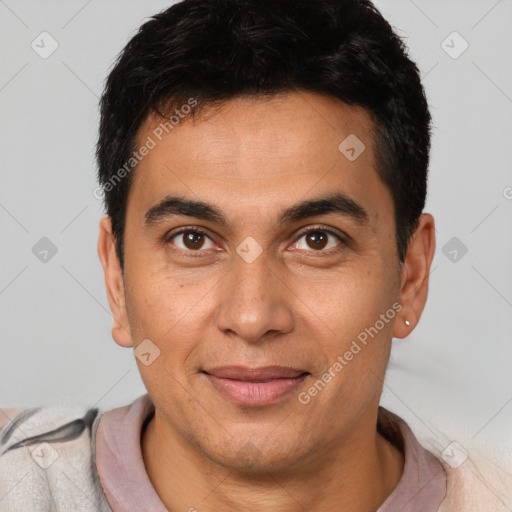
[250,123]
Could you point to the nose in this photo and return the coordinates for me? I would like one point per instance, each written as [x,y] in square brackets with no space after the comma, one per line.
[255,303]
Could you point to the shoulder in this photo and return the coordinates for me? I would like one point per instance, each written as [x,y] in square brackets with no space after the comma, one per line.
[47,459]
[474,481]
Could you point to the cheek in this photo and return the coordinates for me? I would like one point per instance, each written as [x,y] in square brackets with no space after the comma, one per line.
[349,300]
[164,311]
[357,314]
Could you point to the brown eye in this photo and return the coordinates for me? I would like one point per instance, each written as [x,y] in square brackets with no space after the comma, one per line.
[319,239]
[191,240]
[316,240]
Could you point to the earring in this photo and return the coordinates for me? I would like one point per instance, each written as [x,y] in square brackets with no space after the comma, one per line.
[407,323]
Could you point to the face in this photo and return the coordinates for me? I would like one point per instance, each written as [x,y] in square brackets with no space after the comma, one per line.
[258,257]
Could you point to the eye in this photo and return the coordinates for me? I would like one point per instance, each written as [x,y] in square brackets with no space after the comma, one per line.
[189,239]
[321,240]
[318,239]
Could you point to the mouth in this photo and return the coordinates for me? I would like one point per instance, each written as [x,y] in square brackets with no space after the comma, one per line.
[255,387]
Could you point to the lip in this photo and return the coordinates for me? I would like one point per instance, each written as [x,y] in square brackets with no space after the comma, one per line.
[255,387]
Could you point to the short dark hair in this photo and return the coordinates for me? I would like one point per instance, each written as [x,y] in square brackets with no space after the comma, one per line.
[217,50]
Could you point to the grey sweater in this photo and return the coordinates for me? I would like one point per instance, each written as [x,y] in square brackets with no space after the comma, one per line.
[47,461]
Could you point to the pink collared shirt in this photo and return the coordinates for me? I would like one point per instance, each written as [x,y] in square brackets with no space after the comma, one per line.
[127,487]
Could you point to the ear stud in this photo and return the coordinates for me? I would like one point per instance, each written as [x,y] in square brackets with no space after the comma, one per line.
[407,322]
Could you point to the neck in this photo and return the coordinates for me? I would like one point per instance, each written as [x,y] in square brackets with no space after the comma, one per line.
[356,474]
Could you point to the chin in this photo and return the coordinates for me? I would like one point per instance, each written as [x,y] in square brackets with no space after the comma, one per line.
[256,456]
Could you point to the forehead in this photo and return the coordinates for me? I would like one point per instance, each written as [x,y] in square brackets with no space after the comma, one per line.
[261,153]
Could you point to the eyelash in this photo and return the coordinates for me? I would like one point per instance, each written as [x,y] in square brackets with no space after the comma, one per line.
[313,229]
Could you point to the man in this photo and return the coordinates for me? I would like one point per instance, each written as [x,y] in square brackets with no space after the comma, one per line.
[264,166]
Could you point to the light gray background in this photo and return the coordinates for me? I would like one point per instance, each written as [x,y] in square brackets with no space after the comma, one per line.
[451,376]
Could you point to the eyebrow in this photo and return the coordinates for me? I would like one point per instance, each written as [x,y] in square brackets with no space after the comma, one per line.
[337,203]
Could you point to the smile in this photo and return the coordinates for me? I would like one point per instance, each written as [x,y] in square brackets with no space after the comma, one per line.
[255,387]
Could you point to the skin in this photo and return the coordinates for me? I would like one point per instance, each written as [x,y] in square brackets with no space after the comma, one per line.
[292,306]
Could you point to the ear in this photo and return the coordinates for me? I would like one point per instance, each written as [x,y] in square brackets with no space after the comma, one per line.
[415,275]
[114,283]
